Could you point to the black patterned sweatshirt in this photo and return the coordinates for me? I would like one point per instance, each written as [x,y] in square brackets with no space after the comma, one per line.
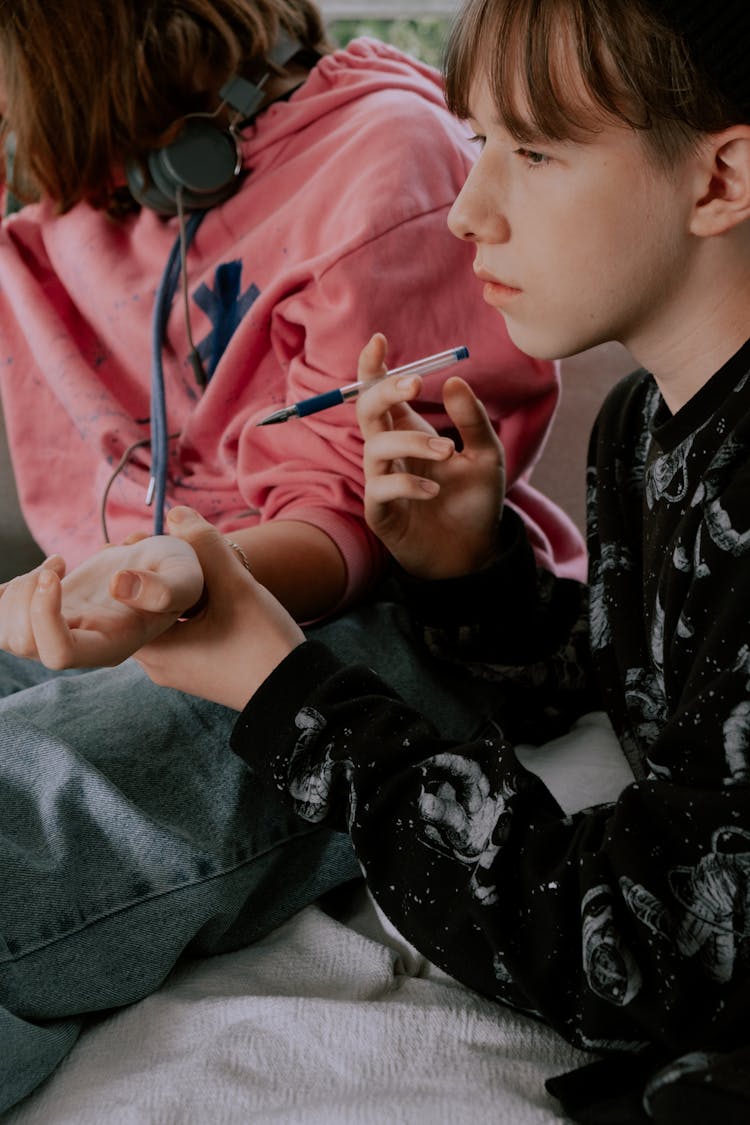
[628,923]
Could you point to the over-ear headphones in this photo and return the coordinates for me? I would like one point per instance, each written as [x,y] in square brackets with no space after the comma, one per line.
[203,165]
[204,162]
[197,171]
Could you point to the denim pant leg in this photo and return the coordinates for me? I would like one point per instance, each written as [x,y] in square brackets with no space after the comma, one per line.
[383,636]
[129,834]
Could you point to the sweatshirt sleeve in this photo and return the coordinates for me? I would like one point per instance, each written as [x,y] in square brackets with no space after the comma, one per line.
[474,862]
[518,624]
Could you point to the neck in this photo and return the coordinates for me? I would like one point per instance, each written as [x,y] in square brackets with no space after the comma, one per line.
[278,86]
[707,321]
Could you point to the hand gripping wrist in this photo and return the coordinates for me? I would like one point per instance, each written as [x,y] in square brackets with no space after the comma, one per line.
[197,608]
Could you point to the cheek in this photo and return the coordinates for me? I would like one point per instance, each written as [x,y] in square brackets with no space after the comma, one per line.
[609,246]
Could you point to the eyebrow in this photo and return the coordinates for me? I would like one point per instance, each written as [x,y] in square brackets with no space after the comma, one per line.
[529,134]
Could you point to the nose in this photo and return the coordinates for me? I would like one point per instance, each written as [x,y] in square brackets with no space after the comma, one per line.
[476,215]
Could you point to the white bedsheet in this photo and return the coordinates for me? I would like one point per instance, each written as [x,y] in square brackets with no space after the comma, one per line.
[327,1023]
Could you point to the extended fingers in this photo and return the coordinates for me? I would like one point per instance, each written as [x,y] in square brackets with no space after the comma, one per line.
[53,562]
[388,446]
[57,645]
[16,630]
[387,481]
[385,406]
[53,640]
[383,490]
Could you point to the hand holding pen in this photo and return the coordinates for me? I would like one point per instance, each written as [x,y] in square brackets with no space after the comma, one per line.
[335,397]
[433,498]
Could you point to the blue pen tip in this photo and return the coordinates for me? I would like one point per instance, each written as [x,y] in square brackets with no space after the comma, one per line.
[462,353]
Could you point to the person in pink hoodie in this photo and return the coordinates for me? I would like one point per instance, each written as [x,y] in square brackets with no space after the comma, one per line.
[153,310]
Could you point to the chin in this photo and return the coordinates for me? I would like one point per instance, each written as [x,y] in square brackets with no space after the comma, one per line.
[542,342]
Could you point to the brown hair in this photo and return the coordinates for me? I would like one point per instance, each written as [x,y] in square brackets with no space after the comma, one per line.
[87,85]
[633,65]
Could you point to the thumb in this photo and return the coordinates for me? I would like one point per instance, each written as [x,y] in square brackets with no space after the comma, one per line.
[470,418]
[147,590]
[219,561]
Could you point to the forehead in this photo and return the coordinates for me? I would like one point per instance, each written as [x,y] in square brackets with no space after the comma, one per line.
[540,85]
[598,140]
[518,116]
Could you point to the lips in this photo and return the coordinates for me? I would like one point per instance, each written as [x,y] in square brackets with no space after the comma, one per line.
[495,290]
[498,289]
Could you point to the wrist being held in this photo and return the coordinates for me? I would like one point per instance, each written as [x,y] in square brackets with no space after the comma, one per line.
[197,608]
[234,638]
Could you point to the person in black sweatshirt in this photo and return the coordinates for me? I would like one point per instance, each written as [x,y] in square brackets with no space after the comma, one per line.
[610,200]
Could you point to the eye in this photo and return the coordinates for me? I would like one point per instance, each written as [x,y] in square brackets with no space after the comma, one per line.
[532,158]
[476,139]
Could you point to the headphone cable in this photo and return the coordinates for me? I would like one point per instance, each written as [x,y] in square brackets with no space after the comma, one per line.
[194,355]
[157,487]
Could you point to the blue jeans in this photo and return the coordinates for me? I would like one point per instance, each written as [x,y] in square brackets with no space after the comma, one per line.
[130,835]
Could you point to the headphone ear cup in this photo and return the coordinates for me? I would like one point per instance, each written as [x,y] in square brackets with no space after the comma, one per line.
[203,161]
[147,194]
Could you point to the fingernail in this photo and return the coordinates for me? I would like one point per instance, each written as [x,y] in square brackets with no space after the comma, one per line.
[179,515]
[405,383]
[441,444]
[45,580]
[127,585]
[429,486]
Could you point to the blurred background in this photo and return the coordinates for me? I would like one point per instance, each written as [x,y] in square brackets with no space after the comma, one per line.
[419,28]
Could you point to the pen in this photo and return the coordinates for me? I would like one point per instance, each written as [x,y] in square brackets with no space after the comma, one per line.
[342,394]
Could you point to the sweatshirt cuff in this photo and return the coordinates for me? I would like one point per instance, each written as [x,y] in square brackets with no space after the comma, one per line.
[509,581]
[268,720]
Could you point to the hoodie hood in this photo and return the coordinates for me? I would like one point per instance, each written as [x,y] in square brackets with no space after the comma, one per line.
[365,66]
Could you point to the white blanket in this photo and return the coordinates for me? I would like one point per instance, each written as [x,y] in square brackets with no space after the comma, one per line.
[327,1022]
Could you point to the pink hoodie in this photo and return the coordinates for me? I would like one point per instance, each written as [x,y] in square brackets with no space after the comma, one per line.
[338,231]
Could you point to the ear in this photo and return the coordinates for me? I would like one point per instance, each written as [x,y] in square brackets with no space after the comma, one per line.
[725,183]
